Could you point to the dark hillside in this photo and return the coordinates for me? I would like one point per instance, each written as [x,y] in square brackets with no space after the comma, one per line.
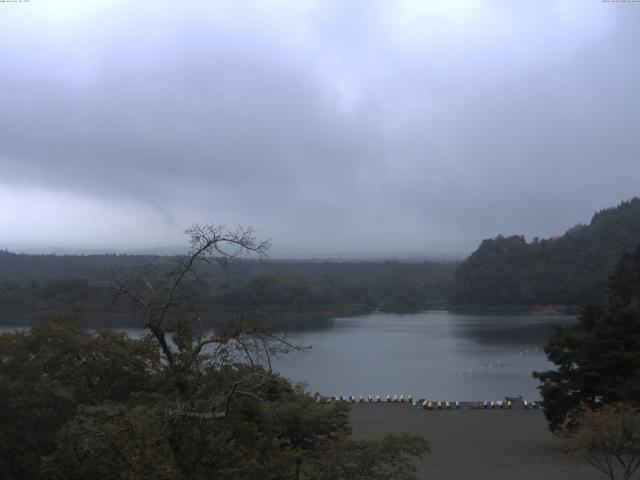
[568,270]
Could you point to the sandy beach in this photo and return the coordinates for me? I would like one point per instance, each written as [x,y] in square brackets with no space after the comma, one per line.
[474,444]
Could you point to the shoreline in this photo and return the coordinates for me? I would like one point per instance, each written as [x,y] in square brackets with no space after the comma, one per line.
[435,404]
[289,321]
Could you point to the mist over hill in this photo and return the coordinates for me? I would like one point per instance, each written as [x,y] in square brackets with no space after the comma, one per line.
[571,269]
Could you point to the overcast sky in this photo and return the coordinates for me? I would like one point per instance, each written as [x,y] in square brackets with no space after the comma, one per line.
[336,128]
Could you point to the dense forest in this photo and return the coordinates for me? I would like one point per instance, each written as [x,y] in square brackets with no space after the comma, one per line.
[179,402]
[295,293]
[568,270]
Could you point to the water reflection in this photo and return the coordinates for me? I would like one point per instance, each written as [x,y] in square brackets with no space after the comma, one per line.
[429,354]
[507,329]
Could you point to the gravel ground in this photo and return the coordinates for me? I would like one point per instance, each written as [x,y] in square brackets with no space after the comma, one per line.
[476,444]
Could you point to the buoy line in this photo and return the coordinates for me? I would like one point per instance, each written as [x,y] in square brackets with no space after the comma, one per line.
[501,362]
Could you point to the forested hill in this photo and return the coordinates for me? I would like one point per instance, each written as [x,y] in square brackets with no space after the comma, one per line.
[569,270]
[35,286]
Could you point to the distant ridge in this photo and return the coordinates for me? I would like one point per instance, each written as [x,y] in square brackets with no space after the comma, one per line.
[571,269]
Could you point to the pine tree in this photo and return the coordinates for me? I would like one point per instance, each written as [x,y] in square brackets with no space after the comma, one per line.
[598,359]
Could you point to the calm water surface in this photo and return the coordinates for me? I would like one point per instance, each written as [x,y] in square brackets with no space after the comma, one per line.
[435,354]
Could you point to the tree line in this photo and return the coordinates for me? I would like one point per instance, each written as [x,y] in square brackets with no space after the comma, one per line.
[298,293]
[181,401]
[571,269]
[507,271]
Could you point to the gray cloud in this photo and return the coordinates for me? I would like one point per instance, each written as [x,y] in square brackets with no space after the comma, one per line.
[370,128]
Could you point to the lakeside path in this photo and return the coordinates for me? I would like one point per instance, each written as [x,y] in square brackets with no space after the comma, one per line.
[476,444]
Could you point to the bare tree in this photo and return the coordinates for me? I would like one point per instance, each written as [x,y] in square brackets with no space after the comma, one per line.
[189,349]
[610,440]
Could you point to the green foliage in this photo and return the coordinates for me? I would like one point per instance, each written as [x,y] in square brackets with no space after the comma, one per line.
[78,405]
[568,270]
[598,359]
[295,293]
[47,372]
[184,401]
[112,441]
[285,293]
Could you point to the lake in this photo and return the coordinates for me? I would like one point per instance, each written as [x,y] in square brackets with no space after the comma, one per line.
[433,354]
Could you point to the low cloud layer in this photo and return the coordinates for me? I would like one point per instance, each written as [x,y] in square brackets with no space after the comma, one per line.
[337,128]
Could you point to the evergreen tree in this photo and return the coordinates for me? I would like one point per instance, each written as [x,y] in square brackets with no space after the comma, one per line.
[598,359]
